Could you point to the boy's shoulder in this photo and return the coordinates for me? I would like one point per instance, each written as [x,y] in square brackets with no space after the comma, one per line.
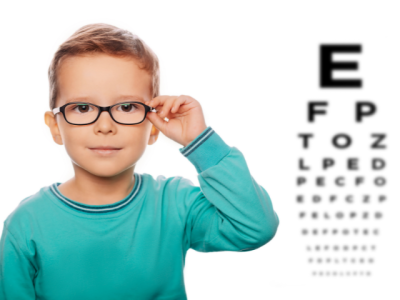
[172,187]
[170,182]
[177,189]
[27,210]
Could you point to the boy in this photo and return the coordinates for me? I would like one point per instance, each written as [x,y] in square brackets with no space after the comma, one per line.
[78,239]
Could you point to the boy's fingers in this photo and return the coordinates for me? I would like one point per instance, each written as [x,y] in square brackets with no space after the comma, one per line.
[167,106]
[159,100]
[151,104]
[157,121]
[178,102]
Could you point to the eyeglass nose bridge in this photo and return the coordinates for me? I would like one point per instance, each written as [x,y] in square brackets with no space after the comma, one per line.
[101,109]
[107,108]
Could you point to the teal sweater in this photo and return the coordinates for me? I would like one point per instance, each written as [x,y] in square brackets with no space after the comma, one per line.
[55,248]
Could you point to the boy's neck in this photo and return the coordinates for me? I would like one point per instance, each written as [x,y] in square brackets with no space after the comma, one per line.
[96,193]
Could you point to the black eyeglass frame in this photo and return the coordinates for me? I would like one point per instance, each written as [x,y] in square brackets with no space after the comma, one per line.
[104,108]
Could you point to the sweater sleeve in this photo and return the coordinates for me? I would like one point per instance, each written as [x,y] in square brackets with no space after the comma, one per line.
[16,271]
[230,211]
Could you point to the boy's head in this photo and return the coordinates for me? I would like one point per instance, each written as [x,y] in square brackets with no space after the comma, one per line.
[103,65]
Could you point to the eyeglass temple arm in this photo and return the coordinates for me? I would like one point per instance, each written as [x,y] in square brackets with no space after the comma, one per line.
[153,109]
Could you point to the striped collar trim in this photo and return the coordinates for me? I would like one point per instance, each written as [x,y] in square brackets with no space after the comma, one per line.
[99,208]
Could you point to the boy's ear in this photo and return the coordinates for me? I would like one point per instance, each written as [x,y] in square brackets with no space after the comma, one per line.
[50,120]
[153,135]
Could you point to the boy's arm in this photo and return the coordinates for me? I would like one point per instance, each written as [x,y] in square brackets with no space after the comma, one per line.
[16,271]
[229,211]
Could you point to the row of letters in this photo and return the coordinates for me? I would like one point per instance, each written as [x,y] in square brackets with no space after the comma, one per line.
[341,181]
[344,141]
[346,198]
[344,231]
[337,247]
[351,164]
[341,273]
[340,215]
[343,260]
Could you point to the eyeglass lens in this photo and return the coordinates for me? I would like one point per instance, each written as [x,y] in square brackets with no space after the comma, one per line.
[83,113]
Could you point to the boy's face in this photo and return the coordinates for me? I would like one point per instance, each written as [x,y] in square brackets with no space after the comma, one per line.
[103,79]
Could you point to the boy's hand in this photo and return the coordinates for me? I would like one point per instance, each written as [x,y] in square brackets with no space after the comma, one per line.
[185,117]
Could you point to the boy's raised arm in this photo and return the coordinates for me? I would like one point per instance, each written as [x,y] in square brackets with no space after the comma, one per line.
[230,211]
[16,271]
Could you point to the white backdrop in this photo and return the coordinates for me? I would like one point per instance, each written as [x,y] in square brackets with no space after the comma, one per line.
[253,66]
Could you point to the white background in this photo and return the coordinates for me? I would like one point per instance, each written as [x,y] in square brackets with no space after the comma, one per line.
[253,65]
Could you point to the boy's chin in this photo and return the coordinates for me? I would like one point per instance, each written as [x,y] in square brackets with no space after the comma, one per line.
[103,168]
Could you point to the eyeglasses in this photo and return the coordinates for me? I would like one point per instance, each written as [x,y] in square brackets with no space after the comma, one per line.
[84,113]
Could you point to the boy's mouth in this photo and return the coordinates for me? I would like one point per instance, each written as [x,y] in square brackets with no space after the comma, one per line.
[105,150]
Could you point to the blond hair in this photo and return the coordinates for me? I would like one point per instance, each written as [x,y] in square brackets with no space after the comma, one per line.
[105,38]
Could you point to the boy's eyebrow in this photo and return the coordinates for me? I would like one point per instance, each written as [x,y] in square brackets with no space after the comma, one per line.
[130,97]
[118,99]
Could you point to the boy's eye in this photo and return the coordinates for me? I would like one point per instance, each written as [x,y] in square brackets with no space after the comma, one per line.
[127,107]
[82,107]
